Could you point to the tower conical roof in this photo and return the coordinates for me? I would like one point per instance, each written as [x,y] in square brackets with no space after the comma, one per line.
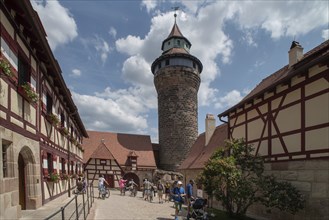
[175,32]
[175,48]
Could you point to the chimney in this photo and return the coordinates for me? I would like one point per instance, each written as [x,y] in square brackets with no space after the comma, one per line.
[295,53]
[210,127]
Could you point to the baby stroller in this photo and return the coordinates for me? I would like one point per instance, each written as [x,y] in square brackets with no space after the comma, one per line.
[198,209]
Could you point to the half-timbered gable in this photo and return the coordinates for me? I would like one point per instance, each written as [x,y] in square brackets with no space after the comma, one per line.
[41,131]
[133,156]
[286,119]
[102,162]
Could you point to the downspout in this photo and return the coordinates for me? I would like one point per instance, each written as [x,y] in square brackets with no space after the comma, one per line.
[226,122]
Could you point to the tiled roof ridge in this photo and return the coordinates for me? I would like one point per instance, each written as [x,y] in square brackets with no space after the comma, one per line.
[277,74]
[110,132]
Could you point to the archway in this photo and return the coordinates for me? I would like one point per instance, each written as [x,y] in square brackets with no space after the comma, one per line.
[129,176]
[27,172]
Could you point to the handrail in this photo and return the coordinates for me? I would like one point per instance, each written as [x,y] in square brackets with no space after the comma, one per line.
[80,207]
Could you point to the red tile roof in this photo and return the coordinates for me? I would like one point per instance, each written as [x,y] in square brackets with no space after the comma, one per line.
[200,153]
[101,152]
[284,74]
[120,146]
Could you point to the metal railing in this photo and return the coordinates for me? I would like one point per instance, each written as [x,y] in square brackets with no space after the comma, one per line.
[77,208]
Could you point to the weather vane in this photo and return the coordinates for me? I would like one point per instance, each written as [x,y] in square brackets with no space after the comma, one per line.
[175,9]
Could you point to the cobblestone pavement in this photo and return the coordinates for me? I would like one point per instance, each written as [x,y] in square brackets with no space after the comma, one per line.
[128,208]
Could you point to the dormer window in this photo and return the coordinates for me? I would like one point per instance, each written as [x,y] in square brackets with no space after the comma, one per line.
[168,42]
[178,42]
[167,62]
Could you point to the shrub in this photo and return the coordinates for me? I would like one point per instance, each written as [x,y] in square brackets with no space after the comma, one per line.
[234,175]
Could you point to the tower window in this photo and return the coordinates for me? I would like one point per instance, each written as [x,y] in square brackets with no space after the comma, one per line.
[178,42]
[167,62]
[168,42]
[159,65]
[194,65]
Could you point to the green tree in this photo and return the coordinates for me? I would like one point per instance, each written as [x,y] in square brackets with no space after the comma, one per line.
[234,175]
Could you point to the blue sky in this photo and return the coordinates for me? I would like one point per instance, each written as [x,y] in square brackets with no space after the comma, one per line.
[105,49]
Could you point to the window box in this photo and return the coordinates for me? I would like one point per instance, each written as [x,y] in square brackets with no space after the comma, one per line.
[53,177]
[5,67]
[65,176]
[63,130]
[52,118]
[28,93]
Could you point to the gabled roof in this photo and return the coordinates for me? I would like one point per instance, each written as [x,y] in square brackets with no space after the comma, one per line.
[120,145]
[200,153]
[102,152]
[316,55]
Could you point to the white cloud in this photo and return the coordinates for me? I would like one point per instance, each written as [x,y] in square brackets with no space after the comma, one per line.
[98,44]
[117,111]
[325,34]
[282,18]
[75,73]
[113,32]
[229,100]
[149,5]
[59,24]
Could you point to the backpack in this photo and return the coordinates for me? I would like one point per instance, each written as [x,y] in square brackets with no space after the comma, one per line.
[160,186]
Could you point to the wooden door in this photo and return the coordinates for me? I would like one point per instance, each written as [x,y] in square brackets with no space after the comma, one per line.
[110,179]
[21,182]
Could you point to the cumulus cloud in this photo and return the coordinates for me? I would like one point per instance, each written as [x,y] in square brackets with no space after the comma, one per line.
[75,73]
[59,23]
[112,111]
[149,5]
[229,99]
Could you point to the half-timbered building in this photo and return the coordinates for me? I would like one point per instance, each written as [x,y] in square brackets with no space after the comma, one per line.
[286,119]
[40,129]
[116,155]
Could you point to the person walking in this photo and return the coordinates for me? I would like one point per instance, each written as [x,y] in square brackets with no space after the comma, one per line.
[122,183]
[189,196]
[161,188]
[101,187]
[167,192]
[178,194]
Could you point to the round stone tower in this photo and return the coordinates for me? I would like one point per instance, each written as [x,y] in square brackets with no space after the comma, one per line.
[177,80]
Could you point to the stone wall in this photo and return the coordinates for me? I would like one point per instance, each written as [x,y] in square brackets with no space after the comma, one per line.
[311,177]
[16,144]
[177,89]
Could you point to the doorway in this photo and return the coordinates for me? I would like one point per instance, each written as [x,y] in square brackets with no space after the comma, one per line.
[110,179]
[21,182]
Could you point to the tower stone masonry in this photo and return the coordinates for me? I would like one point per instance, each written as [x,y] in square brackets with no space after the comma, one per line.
[177,80]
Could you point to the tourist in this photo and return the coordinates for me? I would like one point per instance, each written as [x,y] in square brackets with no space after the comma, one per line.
[178,194]
[189,196]
[101,182]
[161,188]
[148,186]
[167,192]
[122,183]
